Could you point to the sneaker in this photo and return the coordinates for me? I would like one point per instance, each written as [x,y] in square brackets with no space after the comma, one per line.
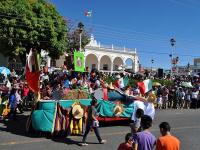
[84,144]
[102,141]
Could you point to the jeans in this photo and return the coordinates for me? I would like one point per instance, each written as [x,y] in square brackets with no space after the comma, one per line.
[87,130]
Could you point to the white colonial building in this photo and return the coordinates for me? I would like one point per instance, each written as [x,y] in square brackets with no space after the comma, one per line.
[110,58]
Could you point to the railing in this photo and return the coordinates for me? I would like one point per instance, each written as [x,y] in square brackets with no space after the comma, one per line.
[112,48]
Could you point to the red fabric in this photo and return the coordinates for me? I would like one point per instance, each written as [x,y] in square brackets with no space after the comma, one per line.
[117,83]
[105,93]
[141,87]
[32,79]
[124,146]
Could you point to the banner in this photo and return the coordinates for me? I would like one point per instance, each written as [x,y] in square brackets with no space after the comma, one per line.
[79,61]
[32,73]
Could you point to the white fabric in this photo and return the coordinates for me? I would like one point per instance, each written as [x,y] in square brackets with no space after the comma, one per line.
[147,107]
[121,82]
[29,60]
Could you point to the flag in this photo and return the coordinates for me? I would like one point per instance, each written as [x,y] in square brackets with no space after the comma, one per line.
[32,72]
[79,61]
[145,86]
[88,13]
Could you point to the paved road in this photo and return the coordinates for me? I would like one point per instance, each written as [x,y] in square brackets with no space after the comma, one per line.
[185,123]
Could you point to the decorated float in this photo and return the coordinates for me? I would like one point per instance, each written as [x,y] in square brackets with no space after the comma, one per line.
[69,114]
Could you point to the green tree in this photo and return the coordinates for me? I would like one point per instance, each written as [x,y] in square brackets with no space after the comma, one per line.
[74,40]
[26,24]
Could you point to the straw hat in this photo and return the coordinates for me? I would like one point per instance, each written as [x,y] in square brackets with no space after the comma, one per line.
[110,86]
[77,111]
[151,98]
[118,110]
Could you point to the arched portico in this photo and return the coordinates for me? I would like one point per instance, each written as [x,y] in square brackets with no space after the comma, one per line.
[129,63]
[91,61]
[105,63]
[117,62]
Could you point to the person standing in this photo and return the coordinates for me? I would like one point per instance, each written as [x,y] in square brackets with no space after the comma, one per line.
[167,141]
[12,104]
[92,123]
[144,140]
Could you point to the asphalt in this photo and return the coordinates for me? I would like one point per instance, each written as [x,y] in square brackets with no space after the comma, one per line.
[185,125]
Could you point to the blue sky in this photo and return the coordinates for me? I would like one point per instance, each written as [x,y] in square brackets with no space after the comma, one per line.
[146,25]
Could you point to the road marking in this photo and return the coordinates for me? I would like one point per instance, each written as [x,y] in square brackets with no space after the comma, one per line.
[91,135]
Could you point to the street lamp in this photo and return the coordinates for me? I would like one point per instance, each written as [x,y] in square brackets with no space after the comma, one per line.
[152,61]
[173,44]
[80,27]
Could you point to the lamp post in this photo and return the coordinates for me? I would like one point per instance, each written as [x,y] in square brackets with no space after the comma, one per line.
[152,61]
[80,27]
[173,44]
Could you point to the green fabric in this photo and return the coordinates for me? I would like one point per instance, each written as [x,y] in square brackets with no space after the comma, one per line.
[126,81]
[79,61]
[43,117]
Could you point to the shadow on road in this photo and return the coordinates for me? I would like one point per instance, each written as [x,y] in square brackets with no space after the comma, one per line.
[18,126]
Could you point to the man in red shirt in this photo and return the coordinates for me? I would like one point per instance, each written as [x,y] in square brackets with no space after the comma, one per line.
[167,141]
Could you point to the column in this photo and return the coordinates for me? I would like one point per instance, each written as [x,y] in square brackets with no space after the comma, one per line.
[98,63]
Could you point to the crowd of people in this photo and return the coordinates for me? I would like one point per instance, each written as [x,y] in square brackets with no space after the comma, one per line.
[53,85]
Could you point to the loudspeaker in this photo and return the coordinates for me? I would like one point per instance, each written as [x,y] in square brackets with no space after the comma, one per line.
[160,73]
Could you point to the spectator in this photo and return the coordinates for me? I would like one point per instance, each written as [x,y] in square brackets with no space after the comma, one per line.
[13,103]
[139,113]
[159,102]
[144,140]
[127,145]
[167,141]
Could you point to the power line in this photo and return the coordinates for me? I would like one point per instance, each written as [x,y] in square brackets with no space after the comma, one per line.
[107,29]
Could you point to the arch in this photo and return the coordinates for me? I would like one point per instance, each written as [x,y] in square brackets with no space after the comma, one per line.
[91,61]
[129,63]
[105,63]
[118,61]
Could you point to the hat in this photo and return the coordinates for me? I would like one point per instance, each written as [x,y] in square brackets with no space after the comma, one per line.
[151,98]
[118,76]
[77,111]
[110,86]
[118,110]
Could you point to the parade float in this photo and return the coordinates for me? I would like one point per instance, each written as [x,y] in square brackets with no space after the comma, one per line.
[69,114]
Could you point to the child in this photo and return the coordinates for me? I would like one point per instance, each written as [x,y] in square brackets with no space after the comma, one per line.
[159,102]
[127,145]
[139,113]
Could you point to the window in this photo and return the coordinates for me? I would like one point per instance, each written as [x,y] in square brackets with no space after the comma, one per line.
[105,67]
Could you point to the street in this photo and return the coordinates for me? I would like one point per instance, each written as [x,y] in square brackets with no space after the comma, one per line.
[185,125]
